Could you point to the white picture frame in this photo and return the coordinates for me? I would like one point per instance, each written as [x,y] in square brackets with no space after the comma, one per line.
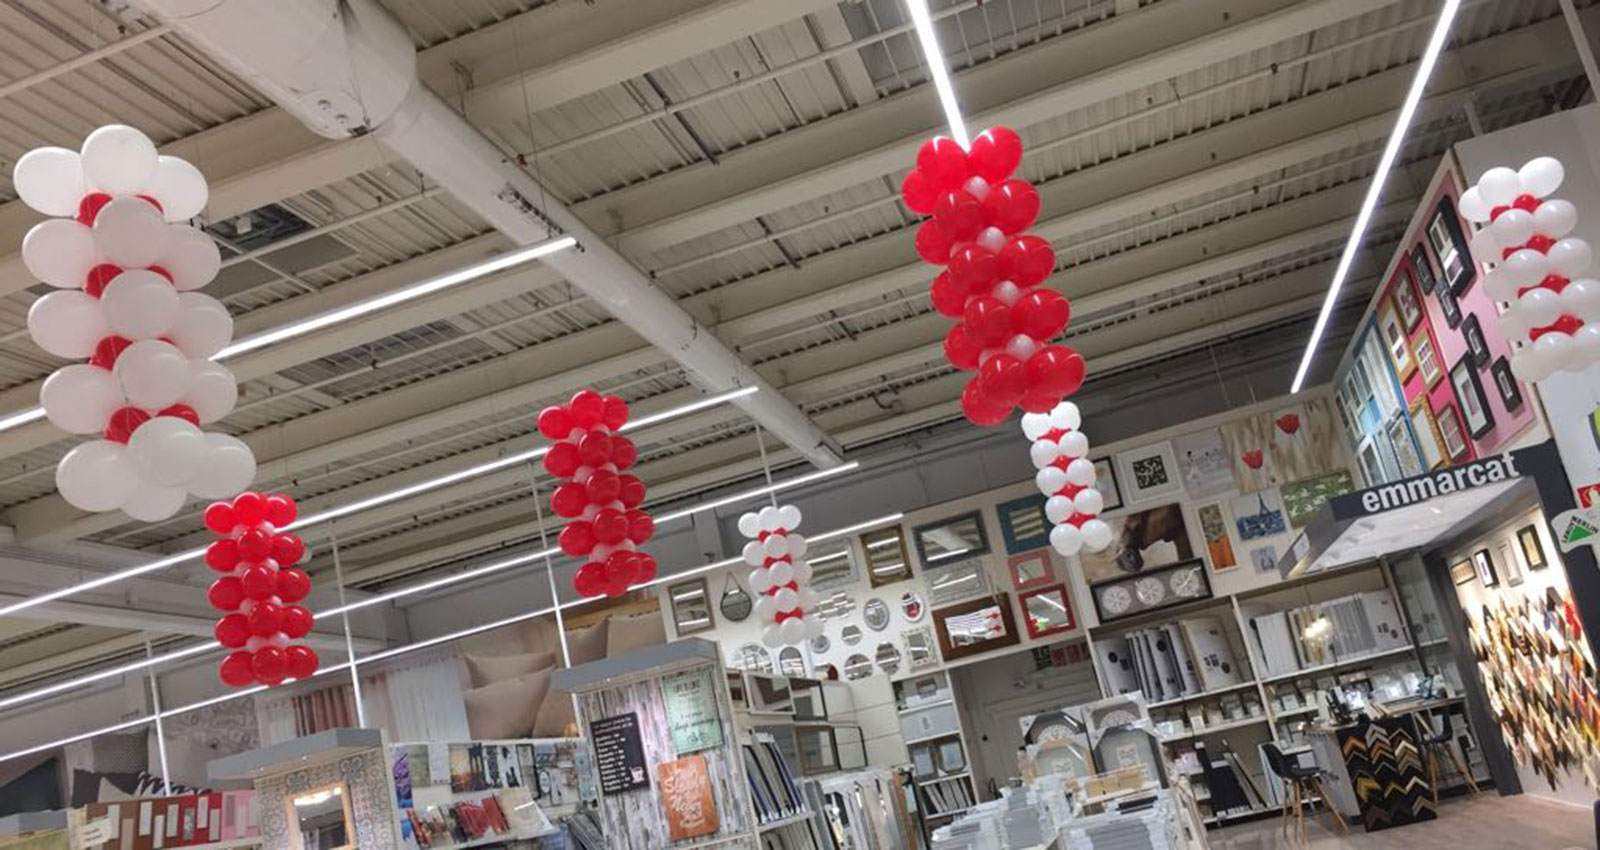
[1148,472]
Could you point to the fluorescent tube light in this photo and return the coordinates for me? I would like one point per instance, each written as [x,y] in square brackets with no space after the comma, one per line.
[1369,204]
[938,70]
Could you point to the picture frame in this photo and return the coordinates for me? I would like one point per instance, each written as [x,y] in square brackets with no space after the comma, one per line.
[951,581]
[975,627]
[1149,472]
[1505,383]
[1047,611]
[960,536]
[919,648]
[1532,548]
[1142,539]
[1426,429]
[1396,342]
[1212,518]
[1405,451]
[1457,270]
[1483,562]
[1105,480]
[691,606]
[1508,562]
[1423,265]
[1258,515]
[1427,360]
[1405,299]
[1177,584]
[1455,442]
[1477,346]
[886,557]
[1023,525]
[1475,410]
[1463,571]
[1031,569]
[1449,305]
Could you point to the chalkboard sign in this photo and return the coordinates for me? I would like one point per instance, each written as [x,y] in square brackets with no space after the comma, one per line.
[619,754]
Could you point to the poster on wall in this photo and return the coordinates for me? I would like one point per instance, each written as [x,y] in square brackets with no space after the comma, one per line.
[1305,440]
[693,721]
[619,754]
[1140,540]
[1302,499]
[686,795]
[1148,471]
[1259,515]
[1249,444]
[1203,463]
[1214,531]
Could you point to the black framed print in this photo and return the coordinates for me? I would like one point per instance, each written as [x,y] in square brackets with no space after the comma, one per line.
[1405,300]
[1450,245]
[1105,480]
[1469,393]
[1449,306]
[1477,346]
[1485,566]
[1423,266]
[1505,383]
[1532,549]
[962,535]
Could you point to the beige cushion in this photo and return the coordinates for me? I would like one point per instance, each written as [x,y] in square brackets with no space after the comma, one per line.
[487,669]
[507,709]
[556,718]
[538,635]
[586,645]
[637,632]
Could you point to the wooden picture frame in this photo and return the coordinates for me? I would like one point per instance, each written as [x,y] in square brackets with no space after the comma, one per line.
[1475,412]
[1532,547]
[1395,341]
[1053,603]
[1462,571]
[1426,427]
[1031,569]
[961,535]
[885,555]
[1023,525]
[1427,359]
[691,606]
[1454,439]
[1505,383]
[966,639]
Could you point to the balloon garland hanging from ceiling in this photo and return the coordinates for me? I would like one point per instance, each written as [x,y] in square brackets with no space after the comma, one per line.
[125,270]
[1066,478]
[780,575]
[258,589]
[991,280]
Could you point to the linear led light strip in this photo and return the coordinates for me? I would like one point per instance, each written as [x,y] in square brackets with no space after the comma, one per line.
[364,504]
[424,644]
[424,288]
[1369,204]
[938,70]
[423,587]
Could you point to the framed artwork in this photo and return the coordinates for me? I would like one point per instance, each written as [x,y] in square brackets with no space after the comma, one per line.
[1434,454]
[1449,306]
[1023,525]
[1427,361]
[1140,540]
[1047,611]
[887,561]
[949,581]
[1484,564]
[1404,450]
[1105,480]
[1260,514]
[1532,549]
[1505,383]
[960,536]
[691,607]
[1203,463]
[1423,266]
[1302,499]
[1405,300]
[1396,341]
[1031,569]
[1469,392]
[918,644]
[1264,558]
[1132,595]
[977,626]
[1477,346]
[1213,520]
[1462,572]
[1508,562]
[833,564]
[1148,472]
[1455,444]
[1450,245]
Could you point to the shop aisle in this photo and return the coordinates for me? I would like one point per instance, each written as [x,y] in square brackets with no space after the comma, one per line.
[1486,823]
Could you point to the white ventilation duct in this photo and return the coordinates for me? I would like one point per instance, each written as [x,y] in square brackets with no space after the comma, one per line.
[347,68]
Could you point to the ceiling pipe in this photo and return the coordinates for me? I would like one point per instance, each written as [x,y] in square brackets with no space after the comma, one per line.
[347,68]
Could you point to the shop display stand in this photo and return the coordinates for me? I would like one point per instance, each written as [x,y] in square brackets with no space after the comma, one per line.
[941,768]
[813,721]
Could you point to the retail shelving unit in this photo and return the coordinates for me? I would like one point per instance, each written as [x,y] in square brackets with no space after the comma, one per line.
[933,733]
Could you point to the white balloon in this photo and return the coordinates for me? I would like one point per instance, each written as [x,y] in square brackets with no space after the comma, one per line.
[1022,347]
[1499,187]
[95,476]
[768,518]
[153,374]
[1571,257]
[789,517]
[1528,367]
[226,469]
[802,574]
[80,398]
[1089,502]
[1006,292]
[1586,345]
[814,628]
[1513,227]
[203,326]
[1513,325]
[140,304]
[1541,176]
[130,233]
[786,599]
[1050,480]
[792,631]
[754,553]
[67,323]
[992,238]
[760,581]
[1555,218]
[770,636]
[1555,350]
[59,252]
[180,187]
[50,180]
[1043,453]
[1539,307]
[1057,509]
[1081,472]
[166,450]
[1581,298]
[191,257]
[765,607]
[1065,417]
[798,545]
[1472,206]
[977,187]
[782,573]
[776,545]
[1096,535]
[1074,444]
[1526,267]
[1034,425]
[119,159]
[213,391]
[1066,539]
[1485,246]
[153,502]
[749,525]
[1500,286]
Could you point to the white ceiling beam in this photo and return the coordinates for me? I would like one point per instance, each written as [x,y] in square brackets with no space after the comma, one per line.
[830,29]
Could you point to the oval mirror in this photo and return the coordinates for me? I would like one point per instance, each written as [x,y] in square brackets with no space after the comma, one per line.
[851,634]
[888,658]
[857,666]
[876,613]
[820,644]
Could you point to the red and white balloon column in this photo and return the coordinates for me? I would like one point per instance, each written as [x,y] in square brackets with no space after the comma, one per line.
[1538,269]
[990,283]
[781,576]
[600,498]
[1066,477]
[125,270]
[258,589]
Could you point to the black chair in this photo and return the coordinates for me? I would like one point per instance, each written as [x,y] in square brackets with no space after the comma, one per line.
[1301,783]
[1436,739]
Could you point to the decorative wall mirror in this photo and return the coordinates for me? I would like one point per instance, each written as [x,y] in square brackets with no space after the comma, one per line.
[888,657]
[1031,569]
[790,662]
[857,666]
[839,604]
[1047,611]
[960,536]
[1023,525]
[851,634]
[691,606]
[755,658]
[736,603]
[912,607]
[919,648]
[833,564]
[321,819]
[876,614]
[820,644]
[953,581]
[970,628]
[887,560]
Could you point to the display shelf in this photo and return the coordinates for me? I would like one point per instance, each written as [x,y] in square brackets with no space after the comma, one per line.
[924,706]
[798,817]
[953,733]
[1203,694]
[953,776]
[1352,661]
[1220,727]
[1294,712]
[951,813]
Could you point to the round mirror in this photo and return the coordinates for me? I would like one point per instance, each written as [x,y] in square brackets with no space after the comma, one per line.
[911,606]
[735,604]
[876,613]
[820,644]
[888,658]
[857,666]
[851,635]
[790,663]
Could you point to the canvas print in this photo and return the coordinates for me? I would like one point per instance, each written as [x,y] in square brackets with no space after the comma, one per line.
[1214,531]
[1105,480]
[1305,440]
[1264,558]
[1148,472]
[1203,463]
[1302,499]
[1258,515]
[1248,441]
[1141,540]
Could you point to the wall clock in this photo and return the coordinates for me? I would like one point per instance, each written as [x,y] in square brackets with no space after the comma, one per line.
[1151,590]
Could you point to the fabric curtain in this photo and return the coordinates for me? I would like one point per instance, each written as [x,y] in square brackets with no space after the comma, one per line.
[417,700]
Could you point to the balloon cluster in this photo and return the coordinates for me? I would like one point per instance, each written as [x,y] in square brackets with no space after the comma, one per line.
[258,590]
[600,499]
[990,283]
[124,270]
[781,576]
[1066,477]
[1554,314]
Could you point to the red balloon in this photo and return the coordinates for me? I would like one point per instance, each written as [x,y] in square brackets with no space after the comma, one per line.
[161,271]
[588,408]
[222,556]
[99,277]
[569,500]
[268,663]
[979,408]
[996,152]
[260,582]
[236,671]
[620,566]
[610,526]
[594,448]
[616,585]
[1568,324]
[640,526]
[296,621]
[107,350]
[293,584]
[647,567]
[944,162]
[301,661]
[962,348]
[90,206]
[603,488]
[974,268]
[181,411]
[1027,260]
[219,517]
[947,298]
[577,539]
[266,619]
[918,192]
[1037,402]
[615,412]
[232,631]
[1003,378]
[959,215]
[1526,203]
[988,321]
[632,494]
[562,460]
[1055,369]
[226,593]
[250,507]
[281,510]
[554,422]
[590,580]
[123,422]
[1041,313]
[255,544]
[623,452]
[933,246]
[287,549]
[1012,206]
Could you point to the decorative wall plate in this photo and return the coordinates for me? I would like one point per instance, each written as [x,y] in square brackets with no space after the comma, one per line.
[1151,590]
